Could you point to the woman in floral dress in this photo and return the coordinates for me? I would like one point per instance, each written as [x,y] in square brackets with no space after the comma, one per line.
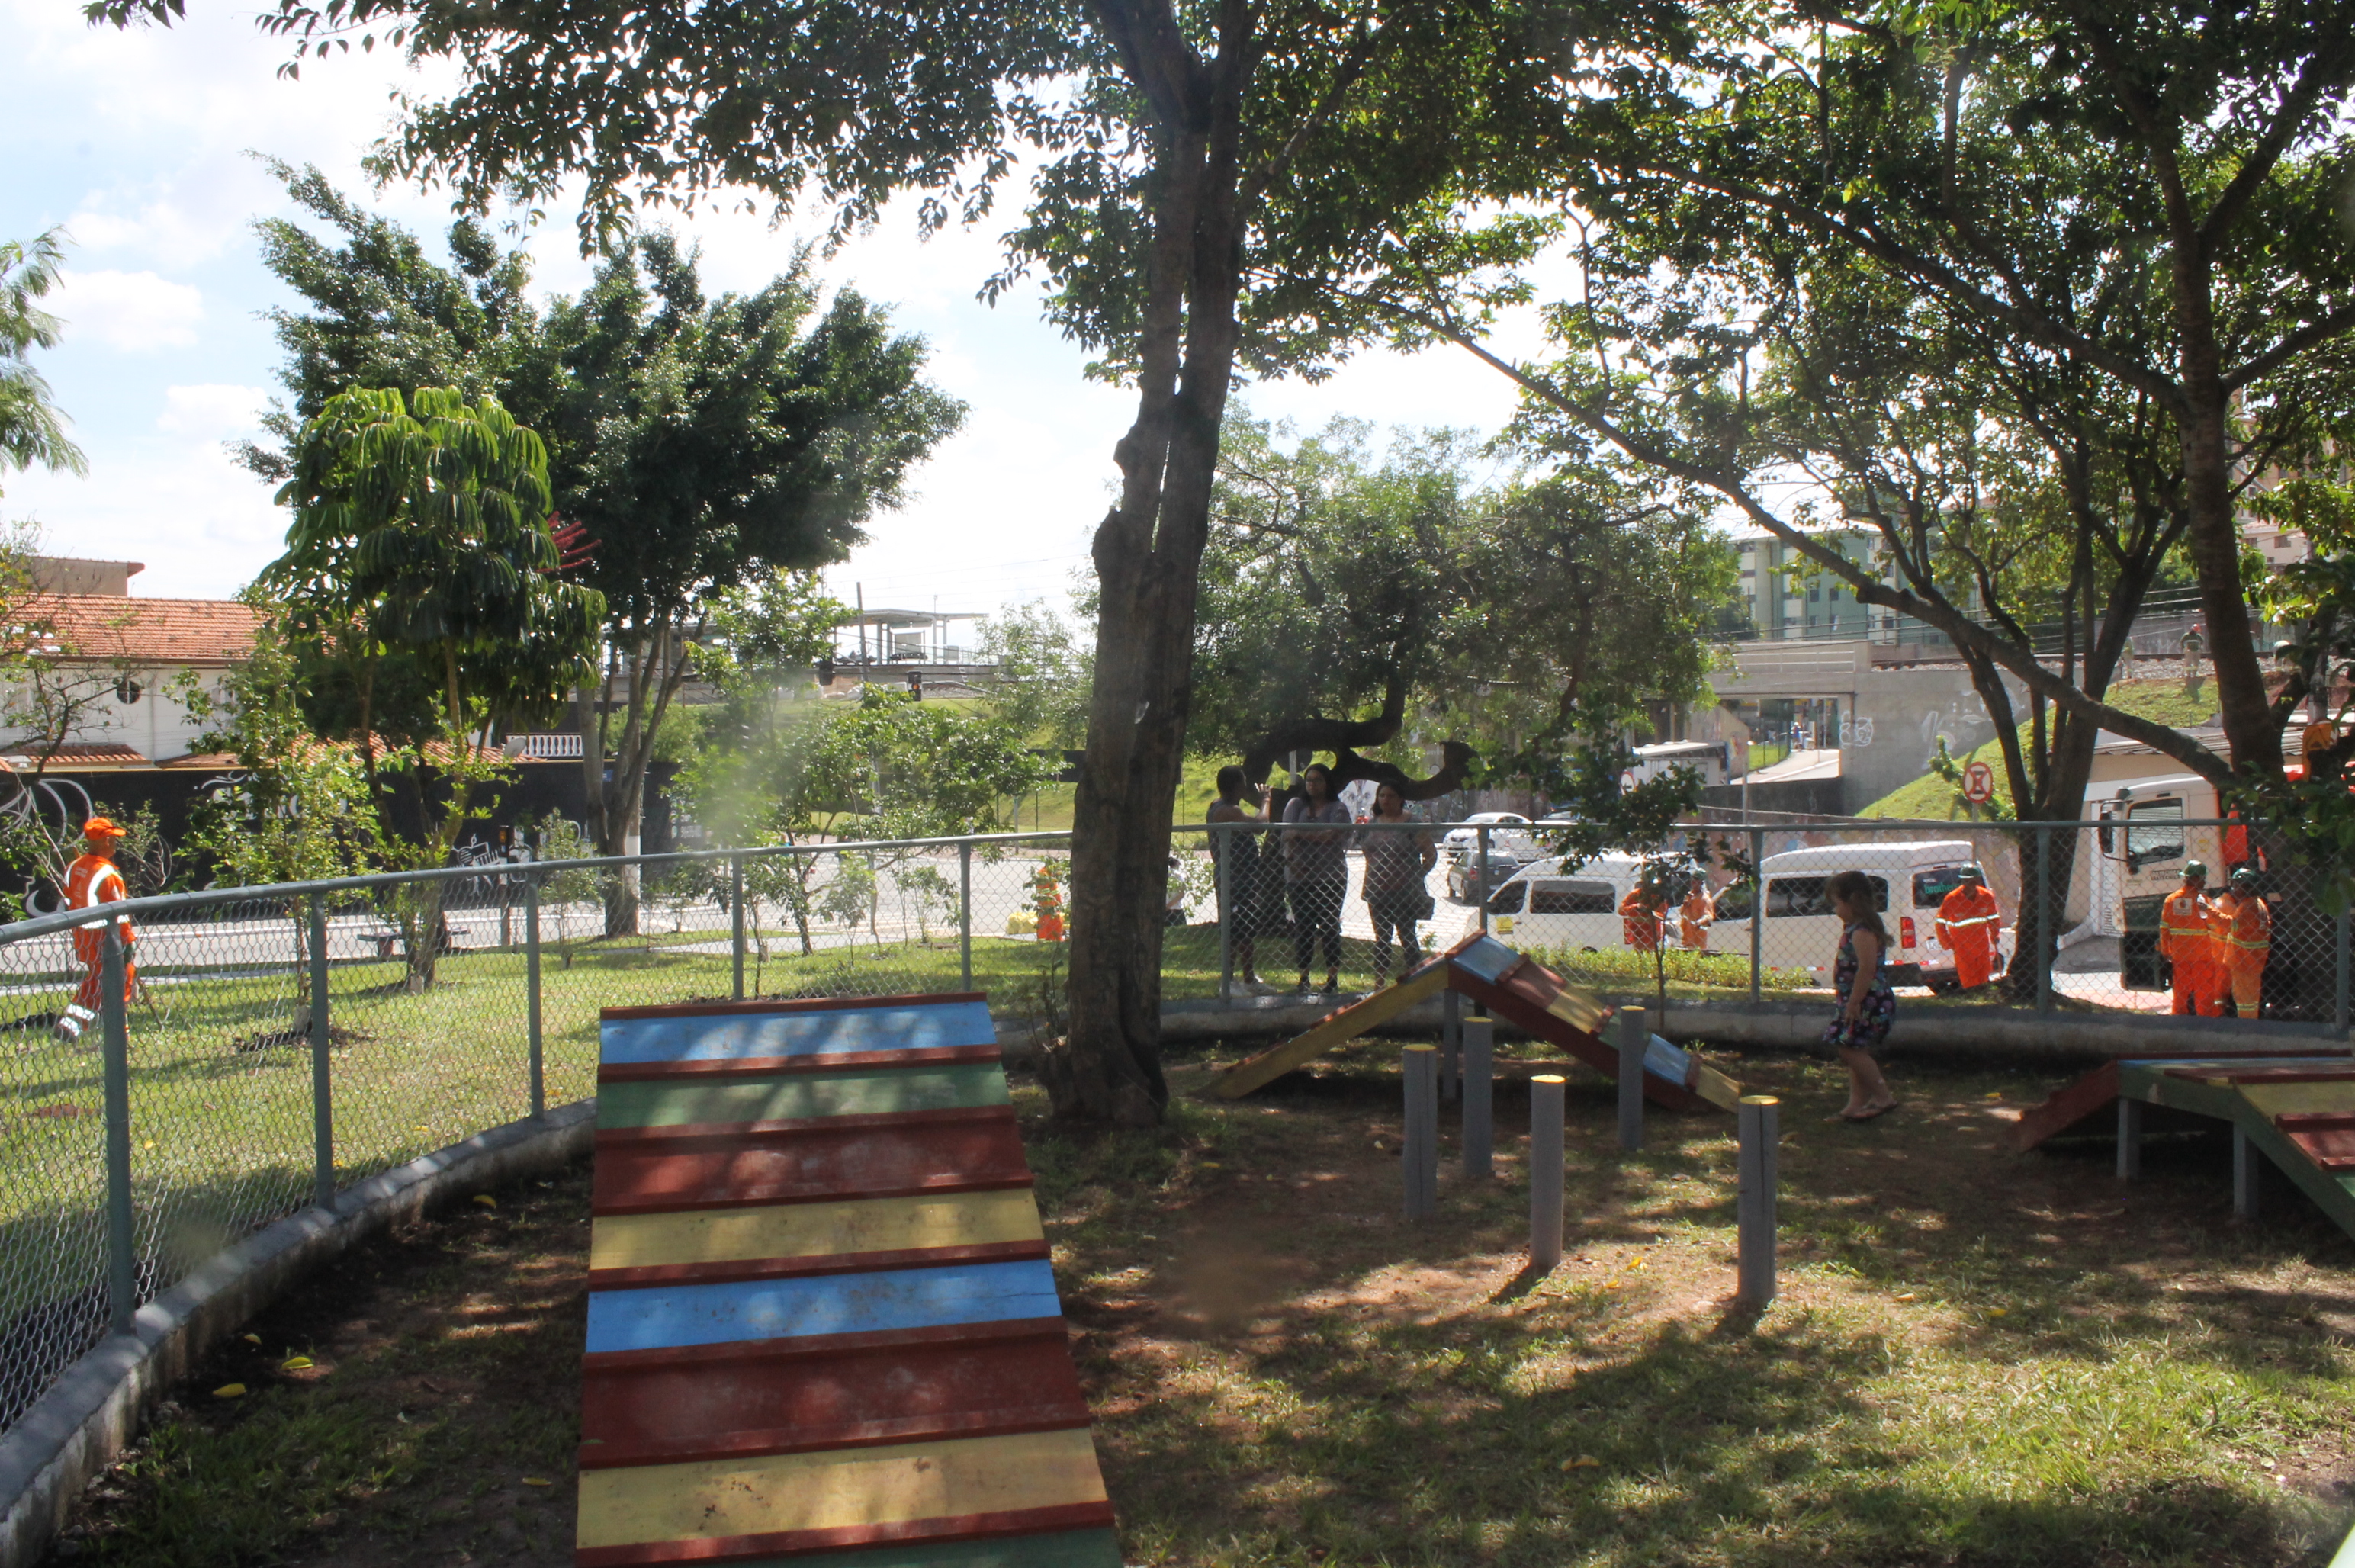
[1868,1005]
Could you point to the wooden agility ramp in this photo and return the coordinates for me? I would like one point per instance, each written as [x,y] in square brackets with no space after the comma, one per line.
[823,1329]
[2296,1108]
[1514,987]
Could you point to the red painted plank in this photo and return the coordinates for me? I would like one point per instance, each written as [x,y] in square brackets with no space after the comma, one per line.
[785,1543]
[760,1357]
[736,1406]
[634,1137]
[770,1066]
[738,1270]
[2314,1121]
[805,1005]
[1521,999]
[2067,1106]
[887,1157]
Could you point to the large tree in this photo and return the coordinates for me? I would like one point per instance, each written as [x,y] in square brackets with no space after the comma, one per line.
[695,445]
[31,429]
[1199,165]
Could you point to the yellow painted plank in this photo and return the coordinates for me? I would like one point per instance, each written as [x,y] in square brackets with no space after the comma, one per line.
[1715,1087]
[1579,1009]
[2276,1099]
[1351,1021]
[812,1229]
[836,1490]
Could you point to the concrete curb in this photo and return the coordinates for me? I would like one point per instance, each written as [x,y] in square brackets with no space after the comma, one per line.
[2061,1039]
[89,1415]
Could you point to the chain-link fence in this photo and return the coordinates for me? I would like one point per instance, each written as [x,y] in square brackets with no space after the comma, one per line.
[272,1047]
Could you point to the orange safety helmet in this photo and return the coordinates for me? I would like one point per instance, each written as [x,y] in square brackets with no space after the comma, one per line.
[101,827]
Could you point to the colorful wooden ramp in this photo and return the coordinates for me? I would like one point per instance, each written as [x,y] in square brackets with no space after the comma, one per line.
[822,1330]
[1513,987]
[2296,1108]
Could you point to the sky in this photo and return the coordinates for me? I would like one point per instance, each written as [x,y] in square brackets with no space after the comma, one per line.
[138,144]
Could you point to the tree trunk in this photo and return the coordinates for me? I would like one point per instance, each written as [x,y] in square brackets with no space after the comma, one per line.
[1147,553]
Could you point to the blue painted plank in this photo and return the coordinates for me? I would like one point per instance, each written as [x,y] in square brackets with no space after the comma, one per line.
[667,1316]
[1488,958]
[728,1037]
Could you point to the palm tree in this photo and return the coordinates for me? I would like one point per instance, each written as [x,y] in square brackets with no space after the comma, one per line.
[31,429]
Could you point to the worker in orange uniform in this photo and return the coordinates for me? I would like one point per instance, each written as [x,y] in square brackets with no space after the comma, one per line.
[2187,939]
[93,880]
[1970,927]
[1694,915]
[2244,940]
[1642,916]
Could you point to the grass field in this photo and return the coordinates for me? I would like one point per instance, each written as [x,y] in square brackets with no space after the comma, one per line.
[1979,1357]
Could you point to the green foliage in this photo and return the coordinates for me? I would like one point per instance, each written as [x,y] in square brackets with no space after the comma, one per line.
[31,429]
[1043,672]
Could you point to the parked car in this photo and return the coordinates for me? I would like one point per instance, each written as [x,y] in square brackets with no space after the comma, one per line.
[1510,847]
[1909,881]
[1543,905]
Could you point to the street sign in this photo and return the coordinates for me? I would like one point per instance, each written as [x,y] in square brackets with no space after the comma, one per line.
[1978,783]
[1626,781]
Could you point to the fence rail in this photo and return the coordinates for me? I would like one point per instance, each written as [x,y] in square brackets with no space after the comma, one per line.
[258,1050]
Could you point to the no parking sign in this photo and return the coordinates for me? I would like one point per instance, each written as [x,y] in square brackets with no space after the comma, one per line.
[1978,783]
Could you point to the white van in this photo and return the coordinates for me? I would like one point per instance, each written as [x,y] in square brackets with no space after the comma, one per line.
[1909,882]
[1544,906]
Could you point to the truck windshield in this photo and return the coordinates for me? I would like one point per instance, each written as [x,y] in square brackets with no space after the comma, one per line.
[2155,832]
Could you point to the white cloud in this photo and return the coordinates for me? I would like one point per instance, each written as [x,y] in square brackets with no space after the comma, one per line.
[214,411]
[135,311]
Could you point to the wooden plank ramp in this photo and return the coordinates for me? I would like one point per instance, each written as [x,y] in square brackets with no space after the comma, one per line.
[1514,987]
[2296,1108]
[823,1329]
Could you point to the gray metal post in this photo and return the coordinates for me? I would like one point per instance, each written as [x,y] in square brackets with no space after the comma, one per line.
[1480,872]
[2247,1167]
[1420,1161]
[322,1085]
[736,921]
[1545,1170]
[1451,1043]
[2044,932]
[2129,1138]
[115,1026]
[1222,851]
[1756,1118]
[1479,1123]
[2346,937]
[1635,1036]
[964,915]
[1757,908]
[531,990]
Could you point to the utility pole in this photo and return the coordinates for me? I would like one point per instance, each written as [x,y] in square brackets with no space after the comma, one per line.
[860,589]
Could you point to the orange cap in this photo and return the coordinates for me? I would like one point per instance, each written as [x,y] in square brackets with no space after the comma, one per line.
[101,828]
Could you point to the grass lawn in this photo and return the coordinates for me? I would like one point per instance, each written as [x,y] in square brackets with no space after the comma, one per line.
[1980,1357]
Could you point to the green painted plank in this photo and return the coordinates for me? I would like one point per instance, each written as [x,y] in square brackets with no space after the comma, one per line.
[1067,1548]
[788,1096]
[2332,1193]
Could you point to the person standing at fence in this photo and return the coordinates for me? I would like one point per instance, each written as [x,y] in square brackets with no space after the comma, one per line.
[1970,926]
[1316,871]
[1243,887]
[1695,914]
[1644,914]
[1398,866]
[1868,1004]
[93,880]
[2244,936]
[2188,941]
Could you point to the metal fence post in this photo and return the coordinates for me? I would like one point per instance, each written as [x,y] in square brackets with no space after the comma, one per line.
[1546,1091]
[1420,1158]
[1757,910]
[1480,875]
[2346,935]
[531,989]
[323,1102]
[114,1025]
[2045,936]
[736,920]
[1222,851]
[1755,1199]
[1480,1121]
[1634,1039]
[964,915]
